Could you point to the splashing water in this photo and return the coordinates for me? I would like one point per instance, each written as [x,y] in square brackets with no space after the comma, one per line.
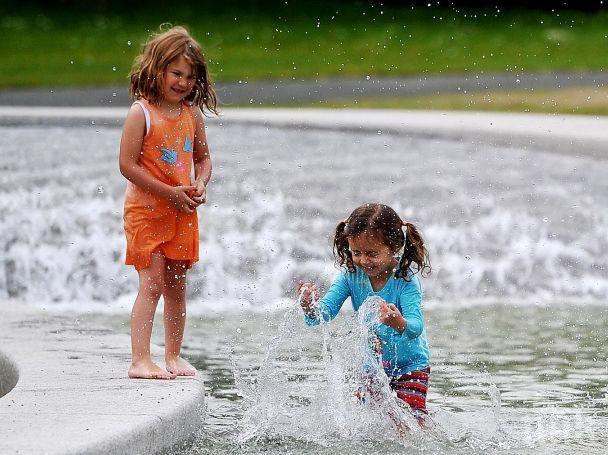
[348,398]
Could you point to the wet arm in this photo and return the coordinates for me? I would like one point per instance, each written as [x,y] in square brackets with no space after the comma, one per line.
[411,310]
[201,155]
[329,305]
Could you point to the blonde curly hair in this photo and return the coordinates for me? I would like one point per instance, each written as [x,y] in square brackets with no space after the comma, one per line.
[149,68]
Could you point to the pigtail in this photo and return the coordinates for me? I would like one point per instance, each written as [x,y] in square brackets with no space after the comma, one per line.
[415,256]
[342,252]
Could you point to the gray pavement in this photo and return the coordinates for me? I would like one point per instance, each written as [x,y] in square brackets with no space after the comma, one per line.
[559,133]
[72,394]
[284,92]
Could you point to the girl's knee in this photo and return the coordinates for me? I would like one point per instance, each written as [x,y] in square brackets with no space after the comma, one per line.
[153,288]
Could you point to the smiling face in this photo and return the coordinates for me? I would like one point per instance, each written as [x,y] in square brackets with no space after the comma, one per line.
[372,255]
[178,81]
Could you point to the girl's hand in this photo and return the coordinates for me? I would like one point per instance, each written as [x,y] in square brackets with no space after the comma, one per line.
[308,293]
[180,199]
[389,315]
[200,193]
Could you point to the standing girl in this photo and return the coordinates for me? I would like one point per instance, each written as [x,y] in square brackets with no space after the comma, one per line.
[163,139]
[367,245]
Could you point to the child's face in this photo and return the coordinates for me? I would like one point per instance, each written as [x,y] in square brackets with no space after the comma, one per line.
[371,254]
[178,80]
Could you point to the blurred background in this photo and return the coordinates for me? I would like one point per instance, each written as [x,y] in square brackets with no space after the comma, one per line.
[545,56]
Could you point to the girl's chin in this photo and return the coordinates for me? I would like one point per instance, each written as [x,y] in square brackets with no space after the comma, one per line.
[376,273]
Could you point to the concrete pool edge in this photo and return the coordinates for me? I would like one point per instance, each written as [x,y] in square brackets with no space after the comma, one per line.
[9,374]
[73,395]
[565,134]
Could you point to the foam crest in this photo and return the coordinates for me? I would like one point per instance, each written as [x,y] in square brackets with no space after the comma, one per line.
[501,224]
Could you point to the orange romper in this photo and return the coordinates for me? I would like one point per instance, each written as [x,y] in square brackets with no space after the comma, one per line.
[151,223]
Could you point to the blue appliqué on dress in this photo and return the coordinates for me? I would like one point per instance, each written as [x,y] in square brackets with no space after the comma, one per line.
[169,155]
[187,145]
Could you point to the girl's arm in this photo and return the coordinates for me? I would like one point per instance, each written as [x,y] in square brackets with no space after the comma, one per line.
[130,150]
[390,315]
[330,304]
[201,157]
[411,308]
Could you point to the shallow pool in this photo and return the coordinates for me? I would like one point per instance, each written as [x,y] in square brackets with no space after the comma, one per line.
[516,305]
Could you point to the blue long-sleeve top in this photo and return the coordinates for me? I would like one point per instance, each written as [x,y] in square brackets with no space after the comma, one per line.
[401,352]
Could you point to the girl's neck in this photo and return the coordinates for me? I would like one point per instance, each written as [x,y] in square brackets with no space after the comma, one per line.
[378,282]
[169,109]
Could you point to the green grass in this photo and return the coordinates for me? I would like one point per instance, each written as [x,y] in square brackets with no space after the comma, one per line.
[59,48]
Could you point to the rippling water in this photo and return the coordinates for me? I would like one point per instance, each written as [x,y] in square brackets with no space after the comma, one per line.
[505,379]
[516,306]
[501,223]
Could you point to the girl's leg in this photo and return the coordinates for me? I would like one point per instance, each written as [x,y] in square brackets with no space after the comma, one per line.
[412,388]
[142,317]
[174,294]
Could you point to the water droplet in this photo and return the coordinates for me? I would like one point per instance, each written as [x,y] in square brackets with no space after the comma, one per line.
[238,330]
[100,189]
[467,257]
[128,42]
[113,68]
[545,219]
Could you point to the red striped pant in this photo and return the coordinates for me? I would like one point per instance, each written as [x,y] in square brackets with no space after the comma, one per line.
[412,388]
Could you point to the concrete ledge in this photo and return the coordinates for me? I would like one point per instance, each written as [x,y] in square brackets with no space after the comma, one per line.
[568,134]
[9,374]
[73,395]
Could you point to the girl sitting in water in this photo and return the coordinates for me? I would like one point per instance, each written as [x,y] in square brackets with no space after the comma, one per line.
[367,246]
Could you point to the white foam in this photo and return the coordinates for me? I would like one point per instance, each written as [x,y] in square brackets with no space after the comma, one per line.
[502,225]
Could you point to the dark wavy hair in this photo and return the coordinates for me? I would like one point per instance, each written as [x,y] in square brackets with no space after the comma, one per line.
[149,68]
[396,234]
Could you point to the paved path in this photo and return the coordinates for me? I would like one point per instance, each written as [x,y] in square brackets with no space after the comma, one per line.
[559,133]
[73,395]
[303,91]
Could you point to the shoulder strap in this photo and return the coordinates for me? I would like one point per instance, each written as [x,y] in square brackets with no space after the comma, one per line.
[146,114]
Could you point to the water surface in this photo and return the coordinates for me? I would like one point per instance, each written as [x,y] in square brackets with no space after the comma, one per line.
[516,307]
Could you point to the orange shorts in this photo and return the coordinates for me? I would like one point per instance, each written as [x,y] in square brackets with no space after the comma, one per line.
[174,233]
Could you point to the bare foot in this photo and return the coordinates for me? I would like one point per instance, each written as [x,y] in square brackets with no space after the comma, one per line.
[179,366]
[146,369]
